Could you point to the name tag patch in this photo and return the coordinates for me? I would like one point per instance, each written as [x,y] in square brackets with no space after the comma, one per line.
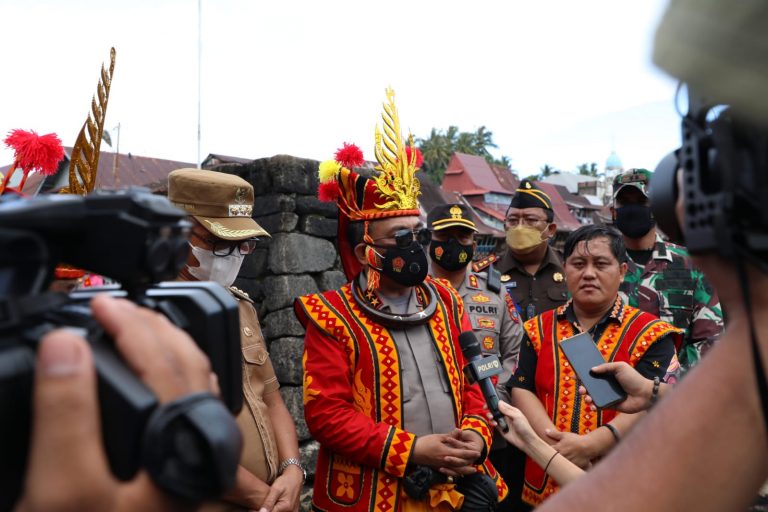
[484,309]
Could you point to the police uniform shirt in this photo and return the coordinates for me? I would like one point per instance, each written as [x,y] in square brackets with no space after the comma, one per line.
[495,321]
[426,392]
[536,293]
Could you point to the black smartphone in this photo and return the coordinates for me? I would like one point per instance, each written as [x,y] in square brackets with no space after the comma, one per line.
[583,355]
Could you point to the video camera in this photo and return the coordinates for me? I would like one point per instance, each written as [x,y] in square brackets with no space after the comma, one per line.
[139,240]
[724,166]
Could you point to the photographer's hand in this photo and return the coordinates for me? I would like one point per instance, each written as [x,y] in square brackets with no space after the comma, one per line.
[68,468]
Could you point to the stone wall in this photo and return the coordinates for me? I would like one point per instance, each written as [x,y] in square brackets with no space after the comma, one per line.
[300,258]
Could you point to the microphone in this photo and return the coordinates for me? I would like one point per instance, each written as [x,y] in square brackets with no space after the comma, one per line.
[480,369]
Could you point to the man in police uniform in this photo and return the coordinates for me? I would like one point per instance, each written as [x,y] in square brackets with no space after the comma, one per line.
[492,312]
[220,207]
[530,269]
[660,278]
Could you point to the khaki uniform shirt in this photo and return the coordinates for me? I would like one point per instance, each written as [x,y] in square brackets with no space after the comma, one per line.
[536,293]
[259,455]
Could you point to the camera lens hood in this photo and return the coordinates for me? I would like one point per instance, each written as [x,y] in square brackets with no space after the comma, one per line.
[664,193]
[192,447]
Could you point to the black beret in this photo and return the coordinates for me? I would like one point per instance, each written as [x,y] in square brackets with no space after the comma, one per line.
[529,195]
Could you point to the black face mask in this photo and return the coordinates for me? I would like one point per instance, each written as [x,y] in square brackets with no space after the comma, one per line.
[634,220]
[451,255]
[405,265]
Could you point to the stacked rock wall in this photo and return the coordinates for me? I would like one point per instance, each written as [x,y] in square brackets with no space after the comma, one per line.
[300,258]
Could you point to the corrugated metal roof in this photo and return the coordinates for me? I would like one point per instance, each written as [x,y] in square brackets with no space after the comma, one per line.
[124,171]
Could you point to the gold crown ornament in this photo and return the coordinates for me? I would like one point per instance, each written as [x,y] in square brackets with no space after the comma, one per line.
[393,191]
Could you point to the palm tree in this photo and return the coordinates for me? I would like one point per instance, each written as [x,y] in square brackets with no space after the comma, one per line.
[483,141]
[546,170]
[465,143]
[437,151]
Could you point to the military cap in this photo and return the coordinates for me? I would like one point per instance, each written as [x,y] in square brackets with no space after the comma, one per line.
[221,203]
[529,195]
[638,178]
[450,215]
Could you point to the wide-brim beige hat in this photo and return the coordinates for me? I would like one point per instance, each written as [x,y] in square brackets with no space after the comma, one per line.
[221,203]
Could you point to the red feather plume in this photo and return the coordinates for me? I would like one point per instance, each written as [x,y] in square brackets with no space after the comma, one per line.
[349,156]
[328,192]
[36,152]
[419,156]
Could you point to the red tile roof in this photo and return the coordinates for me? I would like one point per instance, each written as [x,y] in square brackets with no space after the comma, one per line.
[471,172]
[506,178]
[563,217]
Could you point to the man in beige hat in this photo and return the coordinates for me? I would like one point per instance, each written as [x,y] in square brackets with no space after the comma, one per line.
[220,206]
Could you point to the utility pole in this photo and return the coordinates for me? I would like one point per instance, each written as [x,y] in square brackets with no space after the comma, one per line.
[115,161]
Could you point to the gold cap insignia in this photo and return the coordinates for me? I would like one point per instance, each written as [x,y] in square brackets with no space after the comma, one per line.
[558,277]
[455,212]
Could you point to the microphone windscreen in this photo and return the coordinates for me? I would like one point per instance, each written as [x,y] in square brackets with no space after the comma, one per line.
[469,345]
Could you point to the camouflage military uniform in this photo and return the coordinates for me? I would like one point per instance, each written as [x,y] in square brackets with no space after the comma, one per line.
[669,287]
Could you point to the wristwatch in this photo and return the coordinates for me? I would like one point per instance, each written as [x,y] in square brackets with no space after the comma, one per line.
[292,462]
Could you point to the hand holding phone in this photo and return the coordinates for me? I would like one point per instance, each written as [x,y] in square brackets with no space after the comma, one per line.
[584,355]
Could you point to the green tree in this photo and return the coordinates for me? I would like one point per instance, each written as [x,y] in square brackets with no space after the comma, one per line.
[547,170]
[440,146]
[586,169]
[437,150]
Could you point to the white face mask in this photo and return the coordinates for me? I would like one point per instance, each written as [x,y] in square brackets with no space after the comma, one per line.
[219,269]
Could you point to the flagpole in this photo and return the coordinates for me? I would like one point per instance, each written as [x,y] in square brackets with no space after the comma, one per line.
[199,67]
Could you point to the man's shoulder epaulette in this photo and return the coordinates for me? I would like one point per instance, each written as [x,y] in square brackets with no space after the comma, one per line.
[484,263]
[240,294]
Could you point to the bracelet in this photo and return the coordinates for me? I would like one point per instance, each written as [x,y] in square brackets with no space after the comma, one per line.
[550,460]
[613,431]
[655,391]
[292,462]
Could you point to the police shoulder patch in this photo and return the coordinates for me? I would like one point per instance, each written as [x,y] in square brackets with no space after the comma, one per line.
[483,263]
[512,308]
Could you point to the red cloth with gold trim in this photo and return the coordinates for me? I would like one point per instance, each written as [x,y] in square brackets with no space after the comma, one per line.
[556,382]
[353,398]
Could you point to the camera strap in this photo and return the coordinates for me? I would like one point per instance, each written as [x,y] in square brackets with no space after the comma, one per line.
[762,386]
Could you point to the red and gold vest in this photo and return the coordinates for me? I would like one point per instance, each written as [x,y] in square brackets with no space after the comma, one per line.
[626,339]
[364,470]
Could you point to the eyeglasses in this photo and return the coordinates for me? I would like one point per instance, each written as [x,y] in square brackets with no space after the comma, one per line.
[528,221]
[404,237]
[227,247]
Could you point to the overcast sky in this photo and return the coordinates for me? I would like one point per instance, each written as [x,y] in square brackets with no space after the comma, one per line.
[557,82]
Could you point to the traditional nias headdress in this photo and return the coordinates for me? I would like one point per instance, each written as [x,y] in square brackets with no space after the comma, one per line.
[392,192]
